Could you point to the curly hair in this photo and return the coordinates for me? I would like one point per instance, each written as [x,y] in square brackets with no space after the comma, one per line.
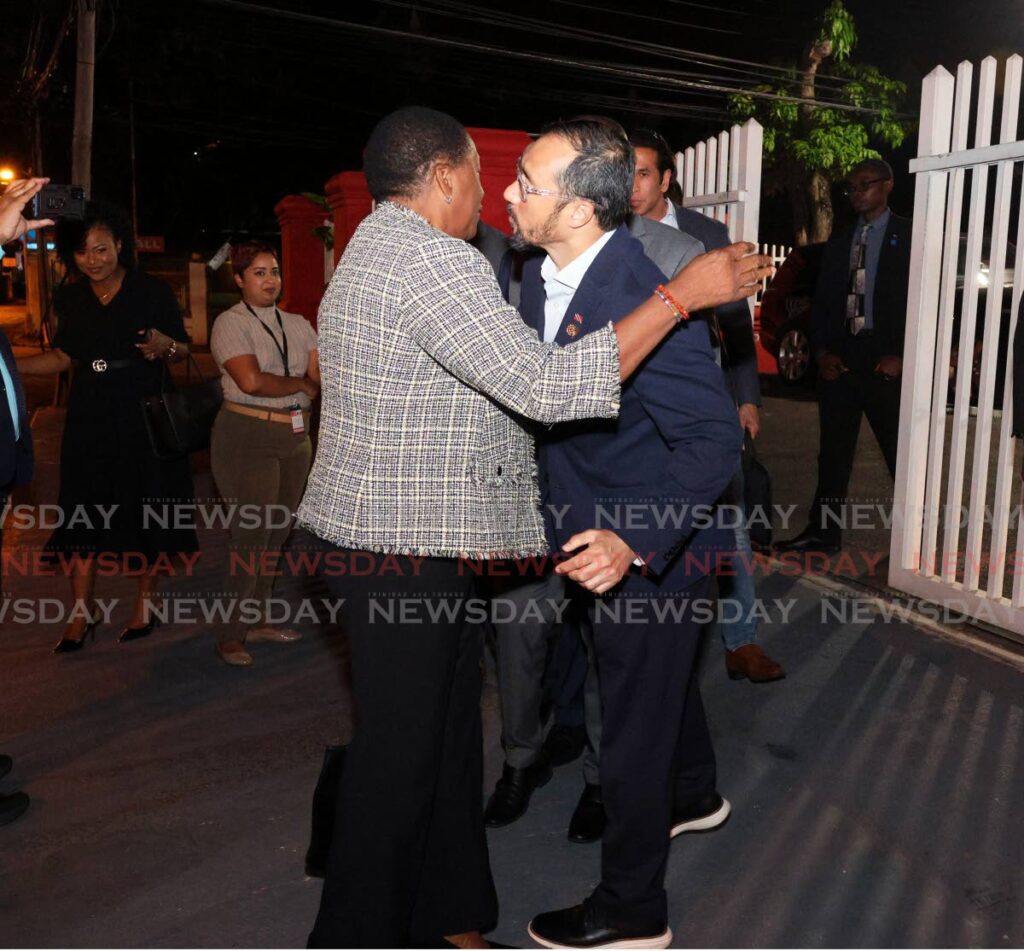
[404,145]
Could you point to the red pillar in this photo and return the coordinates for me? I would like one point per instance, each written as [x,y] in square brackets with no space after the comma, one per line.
[499,150]
[350,203]
[302,254]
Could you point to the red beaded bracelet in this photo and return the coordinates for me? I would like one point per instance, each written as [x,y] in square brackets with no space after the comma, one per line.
[680,313]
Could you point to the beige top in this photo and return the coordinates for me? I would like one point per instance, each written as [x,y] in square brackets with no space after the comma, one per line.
[236,333]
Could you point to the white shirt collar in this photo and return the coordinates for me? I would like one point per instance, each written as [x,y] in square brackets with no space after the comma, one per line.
[670,218]
[573,273]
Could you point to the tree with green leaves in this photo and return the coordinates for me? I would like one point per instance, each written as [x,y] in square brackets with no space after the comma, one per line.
[809,146]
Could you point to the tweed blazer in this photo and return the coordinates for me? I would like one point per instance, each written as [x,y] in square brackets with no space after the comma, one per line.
[424,370]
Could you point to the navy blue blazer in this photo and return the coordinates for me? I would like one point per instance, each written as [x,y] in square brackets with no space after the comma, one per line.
[652,476]
[889,304]
[15,455]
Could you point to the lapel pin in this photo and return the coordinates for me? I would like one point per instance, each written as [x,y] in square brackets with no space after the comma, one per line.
[571,330]
[578,318]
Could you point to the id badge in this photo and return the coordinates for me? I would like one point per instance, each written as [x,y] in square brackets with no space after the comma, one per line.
[297,425]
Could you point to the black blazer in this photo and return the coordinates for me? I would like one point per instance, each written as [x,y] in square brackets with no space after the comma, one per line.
[889,304]
[15,455]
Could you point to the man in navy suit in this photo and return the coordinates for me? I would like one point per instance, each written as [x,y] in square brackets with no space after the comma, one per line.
[734,330]
[633,498]
[859,312]
[15,435]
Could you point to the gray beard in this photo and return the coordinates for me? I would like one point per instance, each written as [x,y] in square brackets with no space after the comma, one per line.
[520,242]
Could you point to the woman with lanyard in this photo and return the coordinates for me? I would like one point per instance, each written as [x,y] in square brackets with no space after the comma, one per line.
[260,451]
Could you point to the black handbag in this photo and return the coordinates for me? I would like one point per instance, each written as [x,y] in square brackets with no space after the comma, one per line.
[179,420]
[757,496]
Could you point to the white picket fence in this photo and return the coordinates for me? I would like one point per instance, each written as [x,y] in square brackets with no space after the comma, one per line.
[778,253]
[721,178]
[951,271]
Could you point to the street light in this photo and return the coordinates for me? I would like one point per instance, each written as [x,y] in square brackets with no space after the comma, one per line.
[6,174]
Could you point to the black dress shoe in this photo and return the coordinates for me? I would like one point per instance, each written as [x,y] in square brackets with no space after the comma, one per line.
[136,633]
[583,926]
[6,765]
[12,806]
[564,744]
[702,815]
[588,821]
[511,795]
[812,539]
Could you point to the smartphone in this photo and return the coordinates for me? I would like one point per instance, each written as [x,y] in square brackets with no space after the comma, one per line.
[58,201]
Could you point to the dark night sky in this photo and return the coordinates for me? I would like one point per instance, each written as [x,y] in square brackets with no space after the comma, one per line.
[235,109]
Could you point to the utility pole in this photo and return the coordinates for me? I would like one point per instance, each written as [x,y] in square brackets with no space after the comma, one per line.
[81,141]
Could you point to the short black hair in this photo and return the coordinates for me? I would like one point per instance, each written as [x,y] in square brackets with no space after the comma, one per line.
[649,139]
[71,233]
[874,166]
[403,146]
[603,170]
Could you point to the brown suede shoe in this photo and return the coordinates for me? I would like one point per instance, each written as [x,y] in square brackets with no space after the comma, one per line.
[753,663]
[275,635]
[234,654]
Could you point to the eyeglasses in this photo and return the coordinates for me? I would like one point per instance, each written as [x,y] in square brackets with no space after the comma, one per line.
[855,189]
[526,189]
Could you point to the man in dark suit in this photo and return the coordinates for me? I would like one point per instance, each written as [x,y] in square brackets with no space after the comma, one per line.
[15,435]
[859,313]
[671,451]
[733,335]
[529,657]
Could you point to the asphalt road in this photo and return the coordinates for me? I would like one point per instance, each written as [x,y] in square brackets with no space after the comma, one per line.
[877,791]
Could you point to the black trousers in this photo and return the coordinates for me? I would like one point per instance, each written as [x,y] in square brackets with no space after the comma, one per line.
[409,860]
[841,403]
[652,722]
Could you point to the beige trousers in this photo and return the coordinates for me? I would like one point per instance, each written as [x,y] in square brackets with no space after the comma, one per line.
[260,467]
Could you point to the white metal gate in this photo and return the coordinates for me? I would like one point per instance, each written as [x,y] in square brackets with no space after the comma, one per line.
[957,501]
[721,178]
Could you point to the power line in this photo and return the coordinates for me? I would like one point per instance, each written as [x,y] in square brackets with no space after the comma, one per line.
[549,59]
[472,13]
[632,15]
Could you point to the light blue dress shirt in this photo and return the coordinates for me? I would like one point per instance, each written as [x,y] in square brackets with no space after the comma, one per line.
[560,286]
[12,397]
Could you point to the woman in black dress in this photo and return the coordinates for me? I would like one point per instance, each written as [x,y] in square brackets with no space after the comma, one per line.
[118,328]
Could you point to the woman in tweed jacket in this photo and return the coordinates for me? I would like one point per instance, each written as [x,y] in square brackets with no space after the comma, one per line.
[422,465]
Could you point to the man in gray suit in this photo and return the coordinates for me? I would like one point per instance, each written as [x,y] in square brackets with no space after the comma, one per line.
[655,177]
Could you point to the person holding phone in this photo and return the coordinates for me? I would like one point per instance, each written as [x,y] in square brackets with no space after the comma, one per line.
[15,434]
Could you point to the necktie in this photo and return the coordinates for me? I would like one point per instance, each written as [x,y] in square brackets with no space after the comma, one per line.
[855,298]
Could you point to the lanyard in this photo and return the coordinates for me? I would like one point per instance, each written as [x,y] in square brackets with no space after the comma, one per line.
[283,350]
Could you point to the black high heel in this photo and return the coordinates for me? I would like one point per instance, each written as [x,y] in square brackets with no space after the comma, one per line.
[135,633]
[68,645]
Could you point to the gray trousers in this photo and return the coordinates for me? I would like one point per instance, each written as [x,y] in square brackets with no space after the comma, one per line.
[529,620]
